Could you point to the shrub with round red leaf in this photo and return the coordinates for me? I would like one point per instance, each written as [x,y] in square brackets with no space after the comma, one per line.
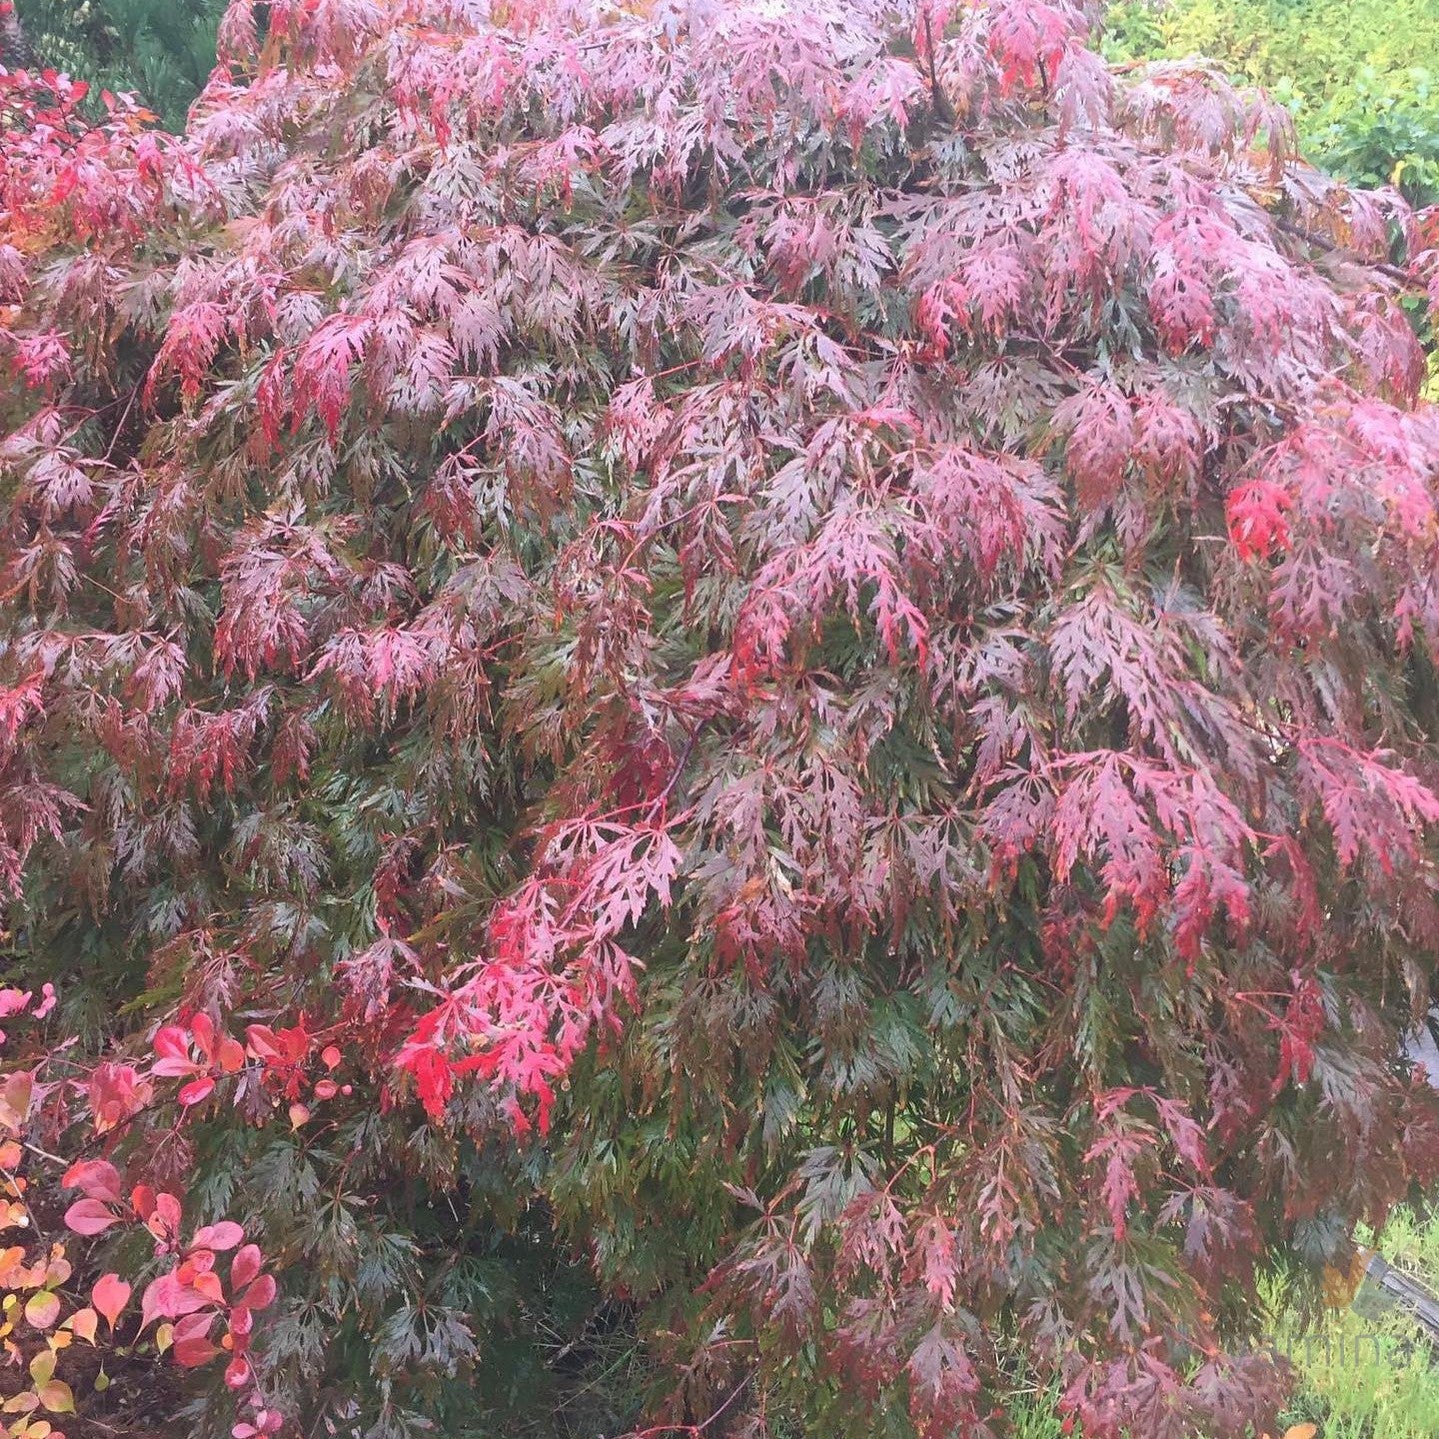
[192,1341]
[98,1178]
[222,1236]
[110,1296]
[90,1217]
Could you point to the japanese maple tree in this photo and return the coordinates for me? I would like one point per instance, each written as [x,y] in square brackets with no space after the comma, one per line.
[757,675]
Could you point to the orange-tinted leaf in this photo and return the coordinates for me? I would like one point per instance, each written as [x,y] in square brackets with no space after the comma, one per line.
[15,1092]
[57,1397]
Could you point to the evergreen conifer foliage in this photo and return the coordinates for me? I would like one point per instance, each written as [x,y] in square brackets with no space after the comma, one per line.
[776,660]
[162,50]
[15,47]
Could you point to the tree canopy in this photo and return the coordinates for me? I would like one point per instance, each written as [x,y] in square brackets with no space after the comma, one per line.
[755,675]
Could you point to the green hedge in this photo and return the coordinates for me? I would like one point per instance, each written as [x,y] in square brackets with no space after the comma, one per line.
[1361,76]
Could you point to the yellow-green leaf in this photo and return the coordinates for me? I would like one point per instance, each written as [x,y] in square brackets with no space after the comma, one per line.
[42,1309]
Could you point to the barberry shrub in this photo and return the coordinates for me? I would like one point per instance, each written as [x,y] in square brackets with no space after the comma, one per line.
[753,676]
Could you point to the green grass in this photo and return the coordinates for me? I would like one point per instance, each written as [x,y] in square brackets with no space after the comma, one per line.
[1367,1379]
[1358,1378]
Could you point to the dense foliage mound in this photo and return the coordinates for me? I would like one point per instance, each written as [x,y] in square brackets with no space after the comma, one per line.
[750,679]
[1362,76]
